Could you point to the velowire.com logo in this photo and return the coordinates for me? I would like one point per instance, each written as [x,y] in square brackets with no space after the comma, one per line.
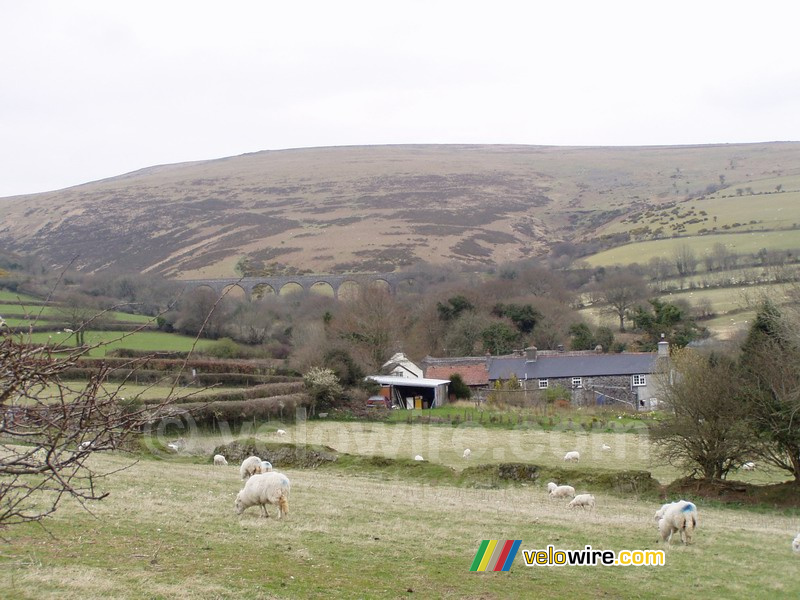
[495,555]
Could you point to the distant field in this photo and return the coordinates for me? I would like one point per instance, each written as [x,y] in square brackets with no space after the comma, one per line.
[7,308]
[143,392]
[643,252]
[143,340]
[719,212]
[9,296]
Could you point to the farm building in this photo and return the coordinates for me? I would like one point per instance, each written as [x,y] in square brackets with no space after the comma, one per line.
[405,392]
[473,369]
[592,378]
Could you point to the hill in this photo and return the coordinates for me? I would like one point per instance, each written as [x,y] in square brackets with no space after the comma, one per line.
[350,209]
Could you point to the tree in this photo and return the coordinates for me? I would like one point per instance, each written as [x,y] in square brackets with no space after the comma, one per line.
[202,311]
[668,319]
[499,338]
[464,335]
[581,337]
[523,316]
[685,260]
[371,326]
[453,308]
[621,291]
[706,428]
[50,429]
[323,386]
[78,312]
[458,388]
[771,362]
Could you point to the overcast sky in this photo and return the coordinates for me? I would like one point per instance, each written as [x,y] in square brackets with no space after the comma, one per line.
[93,89]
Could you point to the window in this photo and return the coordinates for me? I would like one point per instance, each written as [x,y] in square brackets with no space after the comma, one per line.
[577,382]
[543,384]
[639,380]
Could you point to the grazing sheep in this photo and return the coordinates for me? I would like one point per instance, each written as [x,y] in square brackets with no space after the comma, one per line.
[467,452]
[418,457]
[266,466]
[281,432]
[173,447]
[582,500]
[605,448]
[262,489]
[563,491]
[220,461]
[250,466]
[572,456]
[749,466]
[551,486]
[85,445]
[796,543]
[677,516]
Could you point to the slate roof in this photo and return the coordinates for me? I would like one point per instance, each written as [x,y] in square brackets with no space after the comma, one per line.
[587,365]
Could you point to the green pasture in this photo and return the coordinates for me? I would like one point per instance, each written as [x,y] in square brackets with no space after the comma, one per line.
[16,297]
[643,252]
[31,312]
[141,340]
[168,530]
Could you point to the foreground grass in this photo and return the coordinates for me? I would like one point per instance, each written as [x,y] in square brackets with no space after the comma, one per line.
[168,530]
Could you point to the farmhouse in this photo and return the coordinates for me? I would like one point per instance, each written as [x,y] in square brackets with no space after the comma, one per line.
[591,377]
[401,366]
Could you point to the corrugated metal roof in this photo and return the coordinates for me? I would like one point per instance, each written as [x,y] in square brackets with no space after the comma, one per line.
[590,365]
[408,381]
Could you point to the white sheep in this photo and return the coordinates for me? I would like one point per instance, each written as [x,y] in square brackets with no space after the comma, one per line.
[250,466]
[749,466]
[262,489]
[582,500]
[85,445]
[680,516]
[572,456]
[551,486]
[418,457]
[219,460]
[281,432]
[605,448]
[796,543]
[467,452]
[563,491]
[266,466]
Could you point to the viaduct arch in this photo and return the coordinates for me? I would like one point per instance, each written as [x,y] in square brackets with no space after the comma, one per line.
[306,282]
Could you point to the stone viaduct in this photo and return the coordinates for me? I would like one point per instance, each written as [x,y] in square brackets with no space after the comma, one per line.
[274,285]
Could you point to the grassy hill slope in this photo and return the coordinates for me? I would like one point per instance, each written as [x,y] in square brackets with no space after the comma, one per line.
[376,208]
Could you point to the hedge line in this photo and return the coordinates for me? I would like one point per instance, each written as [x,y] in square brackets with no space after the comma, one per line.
[268,390]
[235,412]
[149,361]
[146,376]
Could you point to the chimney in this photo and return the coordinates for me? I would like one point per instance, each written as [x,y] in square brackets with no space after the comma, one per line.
[663,348]
[530,354]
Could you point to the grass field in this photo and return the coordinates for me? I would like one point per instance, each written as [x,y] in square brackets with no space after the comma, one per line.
[168,530]
[71,389]
[16,297]
[142,340]
[642,252]
[31,312]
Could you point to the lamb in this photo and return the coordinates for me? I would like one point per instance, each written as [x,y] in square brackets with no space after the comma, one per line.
[796,543]
[250,466]
[749,466]
[572,456]
[605,448]
[220,461]
[467,452]
[281,432]
[582,500]
[677,516]
[262,489]
[418,457]
[562,491]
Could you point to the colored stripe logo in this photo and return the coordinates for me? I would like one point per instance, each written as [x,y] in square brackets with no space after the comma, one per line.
[495,555]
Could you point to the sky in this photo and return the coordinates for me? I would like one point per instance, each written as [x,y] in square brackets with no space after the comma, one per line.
[95,89]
